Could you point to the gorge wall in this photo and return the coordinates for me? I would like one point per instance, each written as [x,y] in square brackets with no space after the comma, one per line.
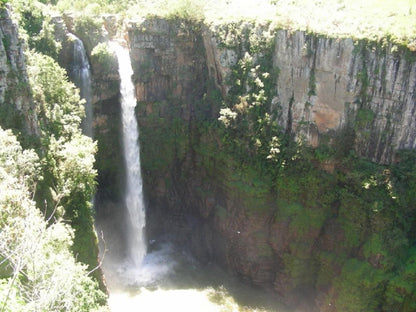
[327,84]
[317,224]
[368,86]
[15,97]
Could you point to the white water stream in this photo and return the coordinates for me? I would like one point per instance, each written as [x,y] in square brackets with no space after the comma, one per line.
[165,279]
[80,74]
[134,189]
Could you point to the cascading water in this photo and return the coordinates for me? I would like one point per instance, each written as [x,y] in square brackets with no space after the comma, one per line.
[164,279]
[80,74]
[134,190]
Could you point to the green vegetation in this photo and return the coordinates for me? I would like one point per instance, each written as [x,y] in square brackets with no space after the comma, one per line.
[34,19]
[360,197]
[172,135]
[361,287]
[38,271]
[89,30]
[389,20]
[251,129]
[67,155]
[103,59]
[48,249]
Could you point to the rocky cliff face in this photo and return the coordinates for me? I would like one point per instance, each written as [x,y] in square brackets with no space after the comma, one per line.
[167,62]
[288,239]
[170,77]
[326,84]
[292,232]
[14,89]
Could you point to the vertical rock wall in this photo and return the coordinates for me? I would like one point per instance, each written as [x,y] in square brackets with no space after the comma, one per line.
[171,79]
[326,84]
[14,88]
[167,62]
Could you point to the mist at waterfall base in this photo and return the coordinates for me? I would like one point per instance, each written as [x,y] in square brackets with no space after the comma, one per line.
[172,280]
[165,279]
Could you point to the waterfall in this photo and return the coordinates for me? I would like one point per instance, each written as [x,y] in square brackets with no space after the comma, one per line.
[134,190]
[80,74]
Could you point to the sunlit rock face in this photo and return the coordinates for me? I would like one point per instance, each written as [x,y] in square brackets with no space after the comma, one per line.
[14,87]
[326,84]
[313,82]
[334,83]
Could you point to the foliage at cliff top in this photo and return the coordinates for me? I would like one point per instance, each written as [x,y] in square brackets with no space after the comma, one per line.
[372,19]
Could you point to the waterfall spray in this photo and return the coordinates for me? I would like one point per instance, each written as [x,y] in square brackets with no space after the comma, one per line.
[80,74]
[134,190]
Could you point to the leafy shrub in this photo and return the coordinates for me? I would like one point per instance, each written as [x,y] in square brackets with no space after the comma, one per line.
[186,9]
[89,30]
[103,60]
[39,272]
[360,287]
[404,182]
[68,182]
[57,100]
[401,289]
[36,27]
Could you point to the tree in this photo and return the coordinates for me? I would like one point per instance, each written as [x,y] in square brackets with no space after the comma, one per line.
[67,156]
[38,271]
